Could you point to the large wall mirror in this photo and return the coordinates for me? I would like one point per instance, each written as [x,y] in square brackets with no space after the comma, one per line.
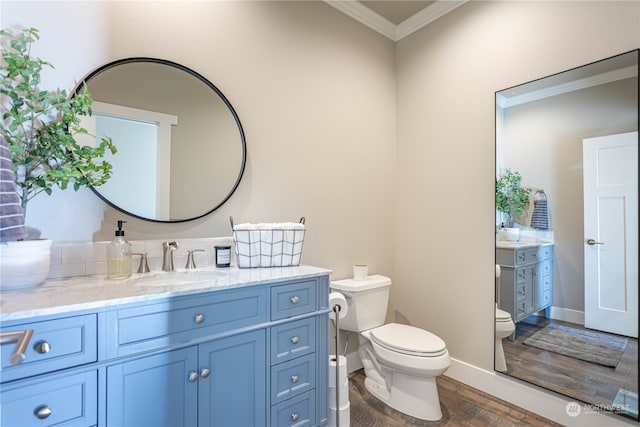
[181,147]
[567,278]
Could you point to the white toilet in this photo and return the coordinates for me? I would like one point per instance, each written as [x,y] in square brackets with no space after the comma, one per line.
[400,362]
[504,328]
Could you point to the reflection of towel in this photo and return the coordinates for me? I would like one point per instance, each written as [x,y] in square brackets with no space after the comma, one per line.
[540,215]
[11,215]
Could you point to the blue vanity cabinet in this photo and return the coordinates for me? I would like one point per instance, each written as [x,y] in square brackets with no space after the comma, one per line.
[526,279]
[254,353]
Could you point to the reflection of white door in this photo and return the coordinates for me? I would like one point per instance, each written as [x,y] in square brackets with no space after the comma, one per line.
[611,233]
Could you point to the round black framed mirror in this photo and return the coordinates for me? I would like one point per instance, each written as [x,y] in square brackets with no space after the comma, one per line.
[181,146]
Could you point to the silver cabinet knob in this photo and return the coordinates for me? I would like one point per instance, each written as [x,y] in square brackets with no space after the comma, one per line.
[295,299]
[193,376]
[295,416]
[199,318]
[295,340]
[42,412]
[42,347]
[295,379]
[205,372]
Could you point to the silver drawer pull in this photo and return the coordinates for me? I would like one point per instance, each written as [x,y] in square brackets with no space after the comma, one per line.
[205,372]
[21,338]
[295,340]
[295,379]
[42,412]
[295,416]
[193,376]
[295,299]
[199,318]
[42,347]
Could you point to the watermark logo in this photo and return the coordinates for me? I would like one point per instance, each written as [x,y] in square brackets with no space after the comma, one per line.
[573,409]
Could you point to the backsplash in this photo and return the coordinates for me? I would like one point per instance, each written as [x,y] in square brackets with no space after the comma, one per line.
[84,259]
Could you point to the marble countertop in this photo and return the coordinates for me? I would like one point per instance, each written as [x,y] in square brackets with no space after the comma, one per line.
[58,296]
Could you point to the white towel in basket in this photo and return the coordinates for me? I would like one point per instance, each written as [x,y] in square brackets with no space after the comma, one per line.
[269,244]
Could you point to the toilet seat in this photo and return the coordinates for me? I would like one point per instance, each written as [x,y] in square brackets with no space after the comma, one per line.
[408,340]
[502,316]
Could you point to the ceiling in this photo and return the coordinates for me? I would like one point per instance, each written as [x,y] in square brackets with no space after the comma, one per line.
[395,19]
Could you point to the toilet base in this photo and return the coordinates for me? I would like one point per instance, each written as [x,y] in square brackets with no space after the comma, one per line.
[415,396]
[500,361]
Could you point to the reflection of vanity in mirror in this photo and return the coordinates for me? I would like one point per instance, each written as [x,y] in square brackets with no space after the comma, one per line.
[177,135]
[574,136]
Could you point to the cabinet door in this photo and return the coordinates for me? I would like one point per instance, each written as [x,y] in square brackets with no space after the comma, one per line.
[155,391]
[232,385]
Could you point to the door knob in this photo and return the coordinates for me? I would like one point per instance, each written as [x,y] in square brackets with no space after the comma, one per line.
[593,242]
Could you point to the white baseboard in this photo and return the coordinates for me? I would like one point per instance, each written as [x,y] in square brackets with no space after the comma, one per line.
[532,398]
[566,314]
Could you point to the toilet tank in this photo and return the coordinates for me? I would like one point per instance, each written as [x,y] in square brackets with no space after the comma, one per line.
[367,302]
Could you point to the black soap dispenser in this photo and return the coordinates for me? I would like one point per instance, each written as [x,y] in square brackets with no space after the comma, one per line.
[119,256]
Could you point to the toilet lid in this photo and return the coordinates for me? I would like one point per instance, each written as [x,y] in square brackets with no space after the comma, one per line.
[408,340]
[502,316]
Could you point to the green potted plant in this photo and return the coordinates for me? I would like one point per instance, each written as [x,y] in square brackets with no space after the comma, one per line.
[511,199]
[40,128]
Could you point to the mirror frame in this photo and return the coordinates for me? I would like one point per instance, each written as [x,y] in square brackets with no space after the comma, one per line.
[105,67]
[622,415]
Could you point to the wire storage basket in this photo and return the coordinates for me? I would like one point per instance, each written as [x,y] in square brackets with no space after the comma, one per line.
[268,244]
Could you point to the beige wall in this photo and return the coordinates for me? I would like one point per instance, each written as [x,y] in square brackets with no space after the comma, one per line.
[315,92]
[447,75]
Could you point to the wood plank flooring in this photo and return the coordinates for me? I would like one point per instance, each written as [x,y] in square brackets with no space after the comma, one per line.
[588,382]
[461,406]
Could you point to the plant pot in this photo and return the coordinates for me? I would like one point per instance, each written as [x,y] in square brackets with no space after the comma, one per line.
[24,264]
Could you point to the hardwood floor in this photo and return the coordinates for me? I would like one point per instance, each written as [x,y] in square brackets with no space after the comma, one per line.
[588,382]
[461,406]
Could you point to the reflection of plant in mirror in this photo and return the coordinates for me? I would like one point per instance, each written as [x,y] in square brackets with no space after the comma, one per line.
[511,198]
[40,126]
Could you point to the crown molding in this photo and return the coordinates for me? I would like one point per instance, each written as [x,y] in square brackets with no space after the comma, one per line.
[426,16]
[600,79]
[366,16]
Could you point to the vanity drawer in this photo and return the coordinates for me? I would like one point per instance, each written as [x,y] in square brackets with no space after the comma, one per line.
[543,268]
[545,252]
[524,274]
[291,378]
[70,400]
[293,299]
[158,325]
[55,344]
[298,411]
[293,339]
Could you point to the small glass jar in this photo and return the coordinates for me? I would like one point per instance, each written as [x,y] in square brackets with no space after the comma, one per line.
[223,256]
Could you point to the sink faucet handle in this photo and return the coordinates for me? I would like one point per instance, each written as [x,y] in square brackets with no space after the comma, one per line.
[191,259]
[144,265]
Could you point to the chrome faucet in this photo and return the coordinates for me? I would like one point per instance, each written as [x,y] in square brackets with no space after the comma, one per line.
[167,258]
